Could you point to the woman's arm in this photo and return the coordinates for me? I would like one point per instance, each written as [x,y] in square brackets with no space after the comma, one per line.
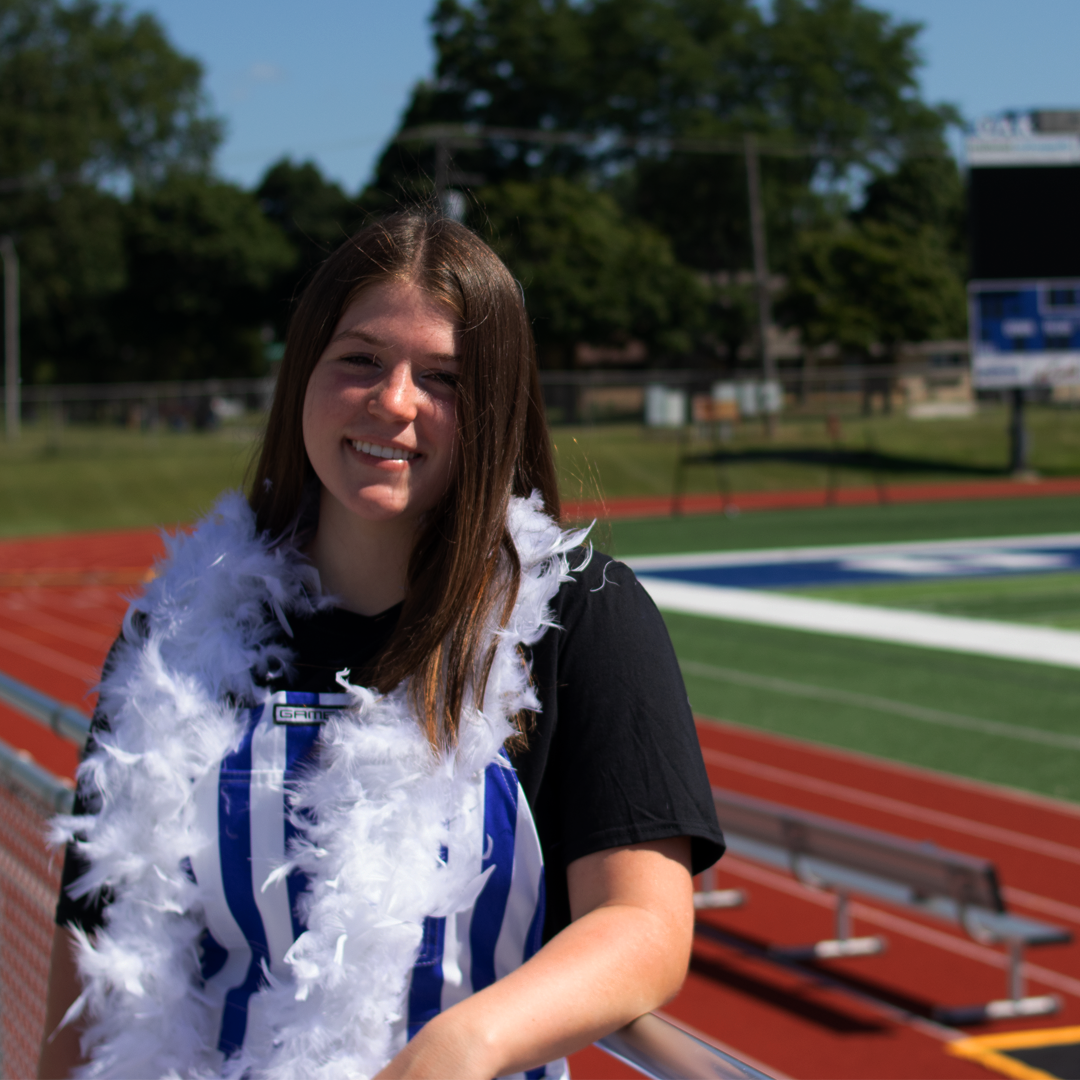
[60,1054]
[626,952]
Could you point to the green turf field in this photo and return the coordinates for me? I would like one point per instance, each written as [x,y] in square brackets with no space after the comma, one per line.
[998,720]
[841,525]
[1044,599]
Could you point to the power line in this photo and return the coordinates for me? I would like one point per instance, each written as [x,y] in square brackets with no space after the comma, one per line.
[472,136]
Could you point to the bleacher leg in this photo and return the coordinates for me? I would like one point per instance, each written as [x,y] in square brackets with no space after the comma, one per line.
[843,917]
[840,947]
[1016,969]
[1013,1007]
[710,898]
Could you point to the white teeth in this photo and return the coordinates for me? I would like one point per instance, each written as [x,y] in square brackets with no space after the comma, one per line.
[388,452]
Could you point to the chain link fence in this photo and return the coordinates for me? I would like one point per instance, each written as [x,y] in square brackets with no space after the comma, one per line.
[29,881]
[927,375]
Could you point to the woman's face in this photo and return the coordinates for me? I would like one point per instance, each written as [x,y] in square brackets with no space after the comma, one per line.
[380,412]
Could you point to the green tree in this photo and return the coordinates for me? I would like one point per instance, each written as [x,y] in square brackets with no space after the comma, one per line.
[893,270]
[874,283]
[822,72]
[798,74]
[72,263]
[315,215]
[87,92]
[201,260]
[93,104]
[588,272]
[923,192]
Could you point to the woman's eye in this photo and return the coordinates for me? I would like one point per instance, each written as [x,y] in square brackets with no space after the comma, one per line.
[359,359]
[446,378]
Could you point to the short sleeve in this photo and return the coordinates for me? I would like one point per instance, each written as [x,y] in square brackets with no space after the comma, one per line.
[614,757]
[86,912]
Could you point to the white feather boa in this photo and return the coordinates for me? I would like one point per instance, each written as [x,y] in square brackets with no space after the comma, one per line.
[382,805]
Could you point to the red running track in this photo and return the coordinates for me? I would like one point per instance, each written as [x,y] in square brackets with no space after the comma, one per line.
[62,602]
[61,605]
[810,498]
[786,1021]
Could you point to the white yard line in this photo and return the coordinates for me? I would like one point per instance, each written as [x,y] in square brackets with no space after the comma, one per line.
[772,556]
[982,637]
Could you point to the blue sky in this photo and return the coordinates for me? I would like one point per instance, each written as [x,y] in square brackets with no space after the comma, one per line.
[328,79]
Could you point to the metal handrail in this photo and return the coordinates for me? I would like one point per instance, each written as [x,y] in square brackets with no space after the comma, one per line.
[64,720]
[18,768]
[652,1045]
[660,1050]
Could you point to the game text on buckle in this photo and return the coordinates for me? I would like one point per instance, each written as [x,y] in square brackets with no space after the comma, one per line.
[304,714]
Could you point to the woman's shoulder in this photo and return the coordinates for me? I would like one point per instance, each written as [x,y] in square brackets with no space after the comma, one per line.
[602,596]
[591,574]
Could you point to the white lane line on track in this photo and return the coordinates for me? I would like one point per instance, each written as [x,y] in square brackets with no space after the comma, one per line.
[60,628]
[50,658]
[909,811]
[971,950]
[919,773]
[773,556]
[1042,904]
[982,637]
[1057,739]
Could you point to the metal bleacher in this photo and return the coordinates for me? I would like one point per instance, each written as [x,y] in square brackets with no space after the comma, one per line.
[849,859]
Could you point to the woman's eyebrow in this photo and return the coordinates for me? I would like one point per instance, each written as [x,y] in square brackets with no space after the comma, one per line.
[379,343]
[361,336]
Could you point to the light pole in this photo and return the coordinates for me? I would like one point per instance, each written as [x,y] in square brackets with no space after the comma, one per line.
[11,337]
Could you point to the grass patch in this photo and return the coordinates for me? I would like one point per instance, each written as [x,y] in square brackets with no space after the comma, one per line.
[100,477]
[1043,599]
[110,478]
[623,460]
[1003,691]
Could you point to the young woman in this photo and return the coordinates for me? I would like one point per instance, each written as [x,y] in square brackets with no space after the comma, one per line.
[390,775]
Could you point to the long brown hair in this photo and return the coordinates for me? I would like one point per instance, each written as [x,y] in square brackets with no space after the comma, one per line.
[464,568]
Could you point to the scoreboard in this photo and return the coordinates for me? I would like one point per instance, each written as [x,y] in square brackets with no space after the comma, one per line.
[1024,226]
[1025,333]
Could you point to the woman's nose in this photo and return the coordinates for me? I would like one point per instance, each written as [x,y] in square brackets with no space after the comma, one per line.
[395,396]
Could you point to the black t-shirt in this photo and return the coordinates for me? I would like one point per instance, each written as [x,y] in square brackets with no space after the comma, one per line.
[612,757]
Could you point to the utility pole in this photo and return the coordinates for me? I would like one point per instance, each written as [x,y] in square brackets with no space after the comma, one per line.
[761,267]
[11,337]
[442,169]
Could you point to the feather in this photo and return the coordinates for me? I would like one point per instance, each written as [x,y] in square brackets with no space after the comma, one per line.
[373,818]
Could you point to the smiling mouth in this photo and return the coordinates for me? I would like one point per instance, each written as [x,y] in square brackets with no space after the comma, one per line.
[390,453]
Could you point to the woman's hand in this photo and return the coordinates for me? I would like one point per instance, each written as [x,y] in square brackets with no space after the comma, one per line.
[625,953]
